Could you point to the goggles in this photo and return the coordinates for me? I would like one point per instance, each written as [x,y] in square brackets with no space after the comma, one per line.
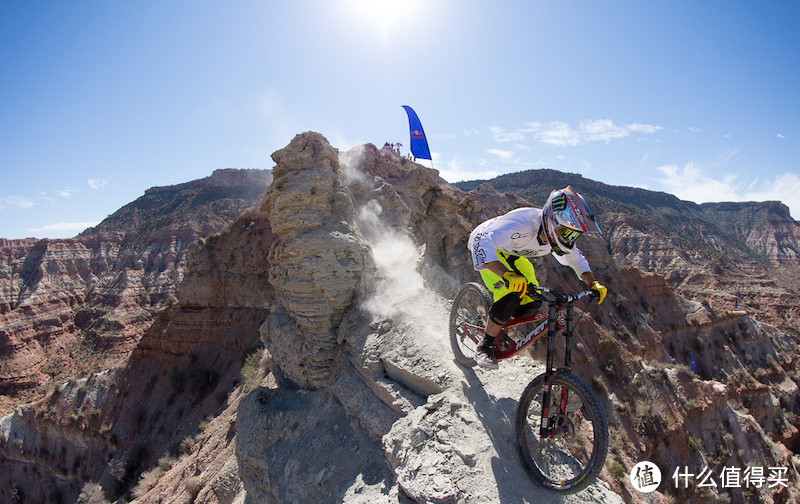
[566,235]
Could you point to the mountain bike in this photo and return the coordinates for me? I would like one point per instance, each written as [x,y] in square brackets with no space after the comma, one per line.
[561,428]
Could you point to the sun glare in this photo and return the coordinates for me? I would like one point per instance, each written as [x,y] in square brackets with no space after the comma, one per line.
[386,16]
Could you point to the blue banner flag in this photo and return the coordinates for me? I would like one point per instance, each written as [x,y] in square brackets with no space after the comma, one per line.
[419,144]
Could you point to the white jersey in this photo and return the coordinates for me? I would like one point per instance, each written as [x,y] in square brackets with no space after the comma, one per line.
[517,233]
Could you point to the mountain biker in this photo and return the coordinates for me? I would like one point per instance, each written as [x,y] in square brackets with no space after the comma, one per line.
[500,247]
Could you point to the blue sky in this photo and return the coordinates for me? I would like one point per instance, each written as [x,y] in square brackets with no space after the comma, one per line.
[102,100]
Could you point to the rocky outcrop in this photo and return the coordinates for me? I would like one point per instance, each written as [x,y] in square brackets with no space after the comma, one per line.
[316,261]
[766,227]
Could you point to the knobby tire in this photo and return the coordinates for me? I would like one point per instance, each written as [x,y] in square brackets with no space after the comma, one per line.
[562,464]
[471,305]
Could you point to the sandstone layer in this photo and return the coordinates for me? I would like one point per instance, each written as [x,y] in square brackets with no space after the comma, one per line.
[76,306]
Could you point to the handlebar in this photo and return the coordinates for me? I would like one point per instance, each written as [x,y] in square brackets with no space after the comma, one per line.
[552,296]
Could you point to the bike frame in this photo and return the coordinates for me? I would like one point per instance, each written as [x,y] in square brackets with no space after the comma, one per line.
[559,316]
[556,318]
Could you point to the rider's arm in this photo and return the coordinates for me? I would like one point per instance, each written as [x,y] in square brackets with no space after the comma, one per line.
[496,267]
[597,287]
[514,282]
[580,265]
[575,260]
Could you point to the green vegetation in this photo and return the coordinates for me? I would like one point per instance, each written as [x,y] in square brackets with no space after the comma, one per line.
[618,470]
[253,369]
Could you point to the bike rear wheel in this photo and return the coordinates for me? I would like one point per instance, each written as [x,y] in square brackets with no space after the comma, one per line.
[572,455]
[468,317]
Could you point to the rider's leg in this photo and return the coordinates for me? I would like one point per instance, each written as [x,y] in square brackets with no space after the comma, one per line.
[505,304]
[499,314]
[492,329]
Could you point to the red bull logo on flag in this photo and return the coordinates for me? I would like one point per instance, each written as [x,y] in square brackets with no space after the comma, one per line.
[419,145]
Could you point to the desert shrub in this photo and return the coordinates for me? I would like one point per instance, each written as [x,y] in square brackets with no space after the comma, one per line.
[618,470]
[92,493]
[252,370]
[147,481]
[166,462]
[187,445]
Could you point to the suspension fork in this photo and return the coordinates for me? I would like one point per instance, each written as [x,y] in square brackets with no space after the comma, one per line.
[562,403]
[568,338]
[544,428]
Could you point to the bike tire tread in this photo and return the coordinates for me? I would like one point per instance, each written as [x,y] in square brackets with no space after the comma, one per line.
[484,294]
[600,444]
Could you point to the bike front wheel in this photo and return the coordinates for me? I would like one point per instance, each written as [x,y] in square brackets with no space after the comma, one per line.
[570,453]
[468,318]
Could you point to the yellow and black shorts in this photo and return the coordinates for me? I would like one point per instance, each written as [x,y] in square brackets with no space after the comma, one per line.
[507,303]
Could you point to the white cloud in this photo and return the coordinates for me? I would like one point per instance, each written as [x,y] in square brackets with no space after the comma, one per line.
[60,227]
[781,136]
[690,183]
[502,154]
[645,129]
[563,134]
[442,137]
[531,126]
[559,133]
[455,171]
[694,129]
[501,135]
[17,202]
[603,130]
[67,193]
[97,183]
[785,188]
[725,157]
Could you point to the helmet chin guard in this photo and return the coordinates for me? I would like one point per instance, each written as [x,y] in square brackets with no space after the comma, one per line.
[565,216]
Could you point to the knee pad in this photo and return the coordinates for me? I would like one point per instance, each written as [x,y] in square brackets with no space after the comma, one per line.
[528,309]
[504,308]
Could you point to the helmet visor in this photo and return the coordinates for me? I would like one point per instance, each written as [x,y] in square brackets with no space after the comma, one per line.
[567,236]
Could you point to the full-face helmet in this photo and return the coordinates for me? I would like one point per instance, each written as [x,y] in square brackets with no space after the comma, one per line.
[565,217]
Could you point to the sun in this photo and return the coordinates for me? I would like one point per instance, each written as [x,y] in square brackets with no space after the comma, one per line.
[386,16]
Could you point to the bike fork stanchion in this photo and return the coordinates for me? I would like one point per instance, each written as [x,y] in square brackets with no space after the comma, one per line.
[545,428]
[568,338]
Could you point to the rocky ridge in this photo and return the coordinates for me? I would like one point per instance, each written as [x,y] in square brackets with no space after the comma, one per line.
[69,307]
[349,261]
